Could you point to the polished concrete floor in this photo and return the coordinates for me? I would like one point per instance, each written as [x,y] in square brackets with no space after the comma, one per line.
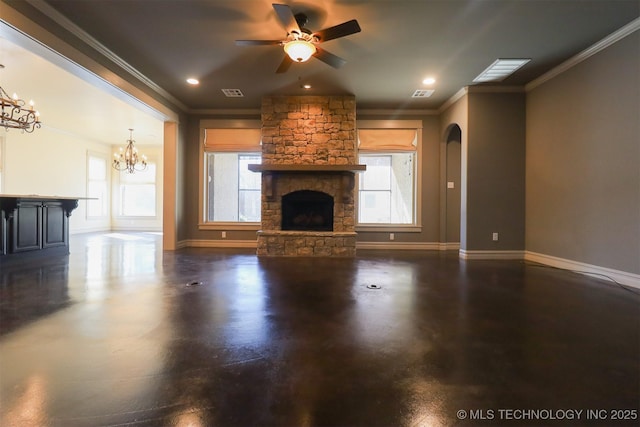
[121,334]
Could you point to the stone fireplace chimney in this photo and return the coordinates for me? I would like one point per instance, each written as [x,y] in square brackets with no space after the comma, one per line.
[309,163]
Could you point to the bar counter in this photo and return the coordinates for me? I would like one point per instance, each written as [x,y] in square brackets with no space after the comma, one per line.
[34,225]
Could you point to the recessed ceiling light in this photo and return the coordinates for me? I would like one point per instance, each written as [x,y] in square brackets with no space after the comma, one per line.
[306,86]
[500,69]
[429,81]
[193,81]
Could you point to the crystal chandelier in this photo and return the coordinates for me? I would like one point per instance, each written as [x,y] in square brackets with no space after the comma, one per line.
[128,159]
[16,116]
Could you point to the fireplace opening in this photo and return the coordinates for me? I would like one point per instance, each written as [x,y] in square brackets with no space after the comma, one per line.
[307,210]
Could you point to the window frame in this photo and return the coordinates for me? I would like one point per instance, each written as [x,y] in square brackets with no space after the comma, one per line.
[416,226]
[3,154]
[203,223]
[119,208]
[107,187]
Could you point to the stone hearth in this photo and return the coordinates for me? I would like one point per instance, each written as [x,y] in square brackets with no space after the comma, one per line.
[308,144]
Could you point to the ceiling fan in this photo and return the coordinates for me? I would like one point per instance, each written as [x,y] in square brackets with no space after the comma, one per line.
[300,43]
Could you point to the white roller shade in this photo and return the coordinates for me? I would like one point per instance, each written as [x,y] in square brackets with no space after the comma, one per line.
[387,139]
[232,140]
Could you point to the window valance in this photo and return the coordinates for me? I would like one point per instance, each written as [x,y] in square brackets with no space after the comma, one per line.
[387,139]
[232,140]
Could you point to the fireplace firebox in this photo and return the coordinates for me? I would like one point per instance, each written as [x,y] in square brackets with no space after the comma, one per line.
[307,210]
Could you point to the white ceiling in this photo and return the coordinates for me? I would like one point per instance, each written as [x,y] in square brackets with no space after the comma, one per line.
[87,107]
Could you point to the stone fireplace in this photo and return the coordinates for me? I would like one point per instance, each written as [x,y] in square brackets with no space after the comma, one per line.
[308,176]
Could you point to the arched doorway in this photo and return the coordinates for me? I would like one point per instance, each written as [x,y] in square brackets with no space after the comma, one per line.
[453,186]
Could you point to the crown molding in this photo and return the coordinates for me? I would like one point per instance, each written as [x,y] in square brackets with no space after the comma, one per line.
[495,89]
[398,112]
[585,54]
[455,98]
[225,112]
[65,23]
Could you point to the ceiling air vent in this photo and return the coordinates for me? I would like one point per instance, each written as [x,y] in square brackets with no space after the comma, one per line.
[232,93]
[500,69]
[422,93]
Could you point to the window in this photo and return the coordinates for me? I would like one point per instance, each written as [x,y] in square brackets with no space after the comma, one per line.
[386,188]
[388,193]
[231,193]
[138,192]
[2,155]
[97,186]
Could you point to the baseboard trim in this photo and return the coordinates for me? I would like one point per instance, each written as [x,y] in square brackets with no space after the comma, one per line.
[421,246]
[411,246]
[622,277]
[472,255]
[449,246]
[196,243]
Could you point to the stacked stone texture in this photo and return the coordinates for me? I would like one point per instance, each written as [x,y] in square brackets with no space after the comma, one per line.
[308,130]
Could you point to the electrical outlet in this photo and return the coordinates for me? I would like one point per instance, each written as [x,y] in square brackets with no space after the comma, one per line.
[224,234]
[495,237]
[392,236]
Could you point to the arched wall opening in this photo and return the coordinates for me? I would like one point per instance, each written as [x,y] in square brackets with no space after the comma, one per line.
[453,177]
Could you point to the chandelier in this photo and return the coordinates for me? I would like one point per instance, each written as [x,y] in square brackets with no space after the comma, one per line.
[16,116]
[128,159]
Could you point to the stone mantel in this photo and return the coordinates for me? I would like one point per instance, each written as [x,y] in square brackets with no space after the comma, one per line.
[289,167]
[347,172]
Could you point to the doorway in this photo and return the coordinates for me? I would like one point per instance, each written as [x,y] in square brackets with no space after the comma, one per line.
[453,186]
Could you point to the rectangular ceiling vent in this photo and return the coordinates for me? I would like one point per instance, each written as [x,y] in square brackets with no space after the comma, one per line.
[422,93]
[500,69]
[232,93]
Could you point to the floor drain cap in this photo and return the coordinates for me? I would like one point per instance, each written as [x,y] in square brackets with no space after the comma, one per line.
[374,286]
[194,283]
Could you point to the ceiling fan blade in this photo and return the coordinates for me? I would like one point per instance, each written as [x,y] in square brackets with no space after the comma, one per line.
[337,31]
[329,58]
[286,16]
[284,65]
[257,42]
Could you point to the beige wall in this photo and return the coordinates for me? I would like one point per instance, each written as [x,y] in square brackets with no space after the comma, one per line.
[581,155]
[583,161]
[495,171]
[455,114]
[453,195]
[430,213]
[189,231]
[430,187]
[48,162]
[492,170]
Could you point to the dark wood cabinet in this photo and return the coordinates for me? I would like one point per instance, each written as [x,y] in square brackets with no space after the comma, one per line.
[3,232]
[55,225]
[25,225]
[34,225]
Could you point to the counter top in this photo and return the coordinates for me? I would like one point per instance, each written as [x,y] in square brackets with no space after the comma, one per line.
[41,197]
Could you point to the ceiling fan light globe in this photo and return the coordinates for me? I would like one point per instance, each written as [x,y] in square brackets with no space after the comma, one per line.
[299,50]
